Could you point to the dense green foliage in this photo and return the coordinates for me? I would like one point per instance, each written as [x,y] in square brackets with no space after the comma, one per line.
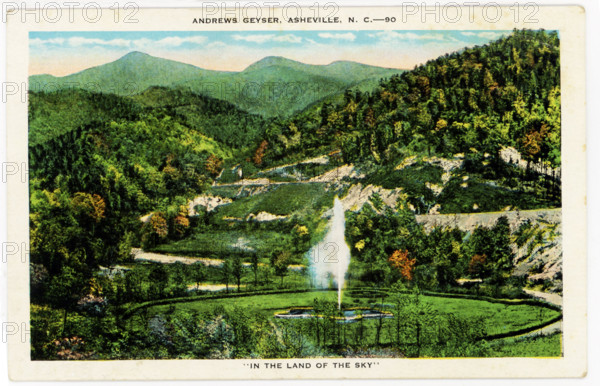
[116,158]
[477,185]
[441,256]
[56,113]
[214,118]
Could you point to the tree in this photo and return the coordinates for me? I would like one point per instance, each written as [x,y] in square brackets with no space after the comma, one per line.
[65,290]
[260,153]
[280,264]
[254,260]
[237,269]
[502,256]
[198,273]
[159,277]
[213,165]
[91,205]
[400,261]
[422,317]
[227,271]
[478,267]
[376,201]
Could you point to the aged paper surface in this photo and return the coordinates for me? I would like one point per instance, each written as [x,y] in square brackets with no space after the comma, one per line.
[367,216]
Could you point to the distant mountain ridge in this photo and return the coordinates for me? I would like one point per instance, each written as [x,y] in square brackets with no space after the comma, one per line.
[272,86]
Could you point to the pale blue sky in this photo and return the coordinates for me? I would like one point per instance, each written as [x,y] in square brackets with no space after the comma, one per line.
[62,53]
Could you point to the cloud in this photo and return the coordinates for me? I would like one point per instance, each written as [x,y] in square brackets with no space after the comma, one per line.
[175,41]
[263,38]
[485,34]
[78,41]
[254,38]
[338,36]
[216,44]
[289,38]
[41,42]
[388,36]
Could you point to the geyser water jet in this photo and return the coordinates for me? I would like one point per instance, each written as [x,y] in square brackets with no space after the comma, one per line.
[330,258]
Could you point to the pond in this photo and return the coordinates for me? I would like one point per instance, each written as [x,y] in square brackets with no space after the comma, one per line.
[348,315]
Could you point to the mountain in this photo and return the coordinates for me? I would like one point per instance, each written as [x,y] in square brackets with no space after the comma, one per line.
[273,86]
[51,114]
[130,74]
[346,71]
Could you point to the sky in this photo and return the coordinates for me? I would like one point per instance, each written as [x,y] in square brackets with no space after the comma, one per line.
[63,53]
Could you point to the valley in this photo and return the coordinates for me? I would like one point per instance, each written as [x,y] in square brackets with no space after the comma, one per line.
[175,219]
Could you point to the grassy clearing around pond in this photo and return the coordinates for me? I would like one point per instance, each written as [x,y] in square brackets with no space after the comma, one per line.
[264,304]
[496,318]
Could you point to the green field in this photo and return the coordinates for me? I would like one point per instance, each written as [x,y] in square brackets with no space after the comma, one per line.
[497,317]
[540,346]
[282,200]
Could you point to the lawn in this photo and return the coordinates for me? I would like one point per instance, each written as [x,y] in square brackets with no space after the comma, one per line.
[539,346]
[496,317]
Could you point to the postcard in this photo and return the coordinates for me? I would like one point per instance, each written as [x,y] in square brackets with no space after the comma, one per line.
[290,193]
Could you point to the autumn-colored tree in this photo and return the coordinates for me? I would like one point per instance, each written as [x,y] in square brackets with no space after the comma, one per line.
[159,225]
[400,261]
[71,349]
[260,153]
[92,205]
[477,265]
[533,141]
[213,165]
[181,222]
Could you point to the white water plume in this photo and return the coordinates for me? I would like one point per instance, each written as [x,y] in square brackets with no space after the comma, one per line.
[329,259]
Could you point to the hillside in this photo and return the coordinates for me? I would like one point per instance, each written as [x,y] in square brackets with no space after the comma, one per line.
[99,161]
[51,114]
[273,86]
[506,93]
